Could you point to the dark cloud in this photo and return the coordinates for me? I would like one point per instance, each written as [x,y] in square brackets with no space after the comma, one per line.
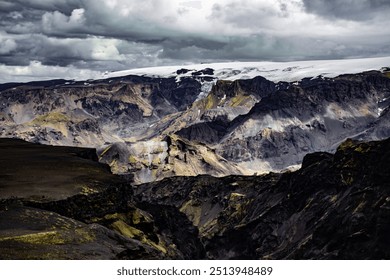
[115,35]
[9,6]
[175,44]
[66,6]
[264,47]
[349,9]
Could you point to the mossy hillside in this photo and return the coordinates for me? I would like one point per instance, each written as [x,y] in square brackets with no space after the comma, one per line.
[210,102]
[139,225]
[239,99]
[40,234]
[53,120]
[55,237]
[242,100]
[134,233]
[50,118]
[49,237]
[133,160]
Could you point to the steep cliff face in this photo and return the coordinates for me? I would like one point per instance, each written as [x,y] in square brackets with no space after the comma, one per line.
[226,101]
[334,207]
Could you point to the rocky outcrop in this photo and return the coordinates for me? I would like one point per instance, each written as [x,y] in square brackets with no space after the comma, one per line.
[160,158]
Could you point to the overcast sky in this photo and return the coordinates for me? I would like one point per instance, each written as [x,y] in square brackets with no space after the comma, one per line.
[42,39]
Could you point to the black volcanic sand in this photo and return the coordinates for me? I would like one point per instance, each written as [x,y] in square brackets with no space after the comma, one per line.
[42,172]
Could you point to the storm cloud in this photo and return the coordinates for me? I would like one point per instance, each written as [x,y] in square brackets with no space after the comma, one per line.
[88,37]
[360,10]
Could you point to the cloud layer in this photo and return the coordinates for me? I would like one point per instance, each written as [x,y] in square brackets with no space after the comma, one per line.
[91,36]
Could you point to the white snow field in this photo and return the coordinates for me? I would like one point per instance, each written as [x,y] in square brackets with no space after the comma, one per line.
[274,71]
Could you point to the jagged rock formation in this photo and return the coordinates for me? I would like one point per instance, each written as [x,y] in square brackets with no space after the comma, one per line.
[225,101]
[171,156]
[334,207]
[307,116]
[91,113]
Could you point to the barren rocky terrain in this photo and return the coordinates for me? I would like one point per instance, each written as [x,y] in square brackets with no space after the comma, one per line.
[335,207]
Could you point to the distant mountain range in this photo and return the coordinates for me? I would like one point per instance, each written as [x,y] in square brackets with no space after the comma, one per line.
[216,119]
